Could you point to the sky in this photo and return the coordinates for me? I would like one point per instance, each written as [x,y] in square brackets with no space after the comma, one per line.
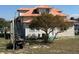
[8,11]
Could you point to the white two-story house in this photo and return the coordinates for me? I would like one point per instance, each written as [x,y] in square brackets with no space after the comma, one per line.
[25,16]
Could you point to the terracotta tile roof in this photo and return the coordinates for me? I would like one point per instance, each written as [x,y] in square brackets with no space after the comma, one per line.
[27,21]
[56,12]
[68,20]
[23,9]
[30,11]
[56,9]
[43,6]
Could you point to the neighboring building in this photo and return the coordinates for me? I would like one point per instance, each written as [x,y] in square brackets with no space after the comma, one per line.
[76,25]
[25,16]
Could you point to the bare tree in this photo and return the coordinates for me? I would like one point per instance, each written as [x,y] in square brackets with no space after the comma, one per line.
[48,21]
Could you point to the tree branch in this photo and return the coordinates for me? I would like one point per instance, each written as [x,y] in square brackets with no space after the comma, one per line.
[50,31]
[56,35]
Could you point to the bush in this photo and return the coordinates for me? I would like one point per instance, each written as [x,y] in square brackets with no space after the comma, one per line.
[9,46]
[7,36]
[18,45]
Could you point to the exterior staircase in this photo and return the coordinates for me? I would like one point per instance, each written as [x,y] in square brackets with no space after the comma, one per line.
[19,35]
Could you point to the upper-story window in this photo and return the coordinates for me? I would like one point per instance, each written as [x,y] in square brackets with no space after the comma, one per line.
[43,11]
[35,11]
[21,12]
[60,11]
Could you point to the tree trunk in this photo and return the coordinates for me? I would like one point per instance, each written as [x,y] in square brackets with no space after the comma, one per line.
[55,36]
[5,34]
[46,37]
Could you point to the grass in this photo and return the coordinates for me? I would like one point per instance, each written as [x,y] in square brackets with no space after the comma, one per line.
[63,45]
[66,46]
[3,42]
[60,46]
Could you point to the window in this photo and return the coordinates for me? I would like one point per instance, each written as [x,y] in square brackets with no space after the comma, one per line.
[21,12]
[26,25]
[59,11]
[43,11]
[35,11]
[76,29]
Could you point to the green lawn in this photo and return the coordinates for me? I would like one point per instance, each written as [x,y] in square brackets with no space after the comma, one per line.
[63,45]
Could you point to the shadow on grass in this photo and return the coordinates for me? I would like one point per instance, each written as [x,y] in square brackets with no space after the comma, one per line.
[38,42]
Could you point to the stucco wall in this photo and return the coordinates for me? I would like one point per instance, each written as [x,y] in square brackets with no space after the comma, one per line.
[29,32]
[69,32]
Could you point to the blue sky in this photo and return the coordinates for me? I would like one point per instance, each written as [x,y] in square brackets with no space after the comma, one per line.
[8,11]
